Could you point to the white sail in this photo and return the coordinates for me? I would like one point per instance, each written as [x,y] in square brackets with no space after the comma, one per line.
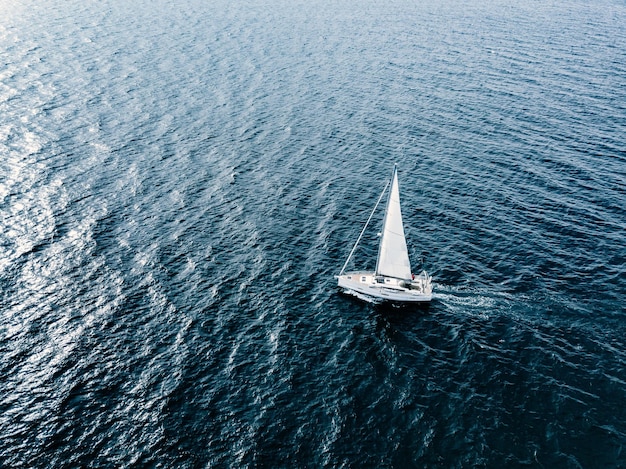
[393,256]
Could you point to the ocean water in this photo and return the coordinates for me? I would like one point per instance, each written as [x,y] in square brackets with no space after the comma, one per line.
[180,181]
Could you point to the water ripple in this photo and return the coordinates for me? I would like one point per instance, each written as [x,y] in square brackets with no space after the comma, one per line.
[178,187]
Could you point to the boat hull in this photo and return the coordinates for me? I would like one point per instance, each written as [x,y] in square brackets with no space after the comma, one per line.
[386,289]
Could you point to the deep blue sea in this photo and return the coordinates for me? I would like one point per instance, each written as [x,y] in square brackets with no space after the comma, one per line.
[180,181]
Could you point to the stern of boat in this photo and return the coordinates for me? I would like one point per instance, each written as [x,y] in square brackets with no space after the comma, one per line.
[422,283]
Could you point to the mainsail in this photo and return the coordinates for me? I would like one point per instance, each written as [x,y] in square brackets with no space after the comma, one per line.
[393,256]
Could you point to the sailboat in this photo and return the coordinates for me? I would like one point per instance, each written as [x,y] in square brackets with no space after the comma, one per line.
[392,281]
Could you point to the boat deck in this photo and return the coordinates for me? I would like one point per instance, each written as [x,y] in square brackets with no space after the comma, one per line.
[381,288]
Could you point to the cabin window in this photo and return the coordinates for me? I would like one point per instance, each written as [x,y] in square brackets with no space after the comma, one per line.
[387,280]
[362,279]
[349,277]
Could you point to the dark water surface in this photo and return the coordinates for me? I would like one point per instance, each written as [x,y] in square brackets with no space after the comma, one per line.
[179,181]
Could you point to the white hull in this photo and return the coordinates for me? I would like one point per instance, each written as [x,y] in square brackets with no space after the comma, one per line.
[389,289]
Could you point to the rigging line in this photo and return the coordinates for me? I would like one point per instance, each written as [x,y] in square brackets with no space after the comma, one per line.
[364,228]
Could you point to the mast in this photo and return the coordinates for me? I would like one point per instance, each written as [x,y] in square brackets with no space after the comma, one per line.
[382,233]
[393,256]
